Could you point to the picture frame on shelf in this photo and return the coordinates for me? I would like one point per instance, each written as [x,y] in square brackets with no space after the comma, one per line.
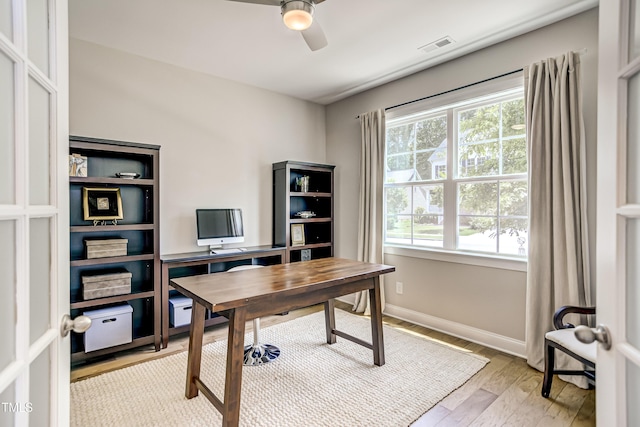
[102,204]
[297,234]
[78,165]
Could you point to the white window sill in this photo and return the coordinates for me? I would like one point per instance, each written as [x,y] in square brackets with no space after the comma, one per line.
[482,260]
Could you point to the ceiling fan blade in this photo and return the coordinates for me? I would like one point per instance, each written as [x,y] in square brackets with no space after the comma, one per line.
[267,2]
[314,36]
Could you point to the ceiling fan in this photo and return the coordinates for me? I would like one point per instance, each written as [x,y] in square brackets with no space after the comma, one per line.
[298,15]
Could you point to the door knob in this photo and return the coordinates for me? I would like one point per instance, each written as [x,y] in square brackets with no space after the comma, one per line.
[588,335]
[78,325]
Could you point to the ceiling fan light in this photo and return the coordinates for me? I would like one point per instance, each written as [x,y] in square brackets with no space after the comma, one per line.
[297,14]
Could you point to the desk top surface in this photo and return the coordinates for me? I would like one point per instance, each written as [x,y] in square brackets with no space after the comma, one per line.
[232,289]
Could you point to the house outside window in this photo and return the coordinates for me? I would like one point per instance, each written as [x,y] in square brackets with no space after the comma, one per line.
[456,176]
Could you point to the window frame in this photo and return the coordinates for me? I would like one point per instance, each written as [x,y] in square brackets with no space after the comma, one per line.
[450,103]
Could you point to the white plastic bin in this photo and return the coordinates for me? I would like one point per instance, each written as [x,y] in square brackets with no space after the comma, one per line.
[109,327]
[180,311]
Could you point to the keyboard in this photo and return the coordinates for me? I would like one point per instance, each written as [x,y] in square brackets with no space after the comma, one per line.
[225,251]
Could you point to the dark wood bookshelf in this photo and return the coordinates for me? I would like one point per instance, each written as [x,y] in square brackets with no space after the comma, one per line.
[289,199]
[140,226]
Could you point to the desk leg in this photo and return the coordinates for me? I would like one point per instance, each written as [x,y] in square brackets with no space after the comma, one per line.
[235,358]
[376,322]
[195,349]
[330,320]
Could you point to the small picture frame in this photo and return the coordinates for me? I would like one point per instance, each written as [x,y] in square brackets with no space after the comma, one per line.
[297,234]
[77,165]
[102,204]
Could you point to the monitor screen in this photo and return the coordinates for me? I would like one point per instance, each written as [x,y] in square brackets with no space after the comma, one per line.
[216,227]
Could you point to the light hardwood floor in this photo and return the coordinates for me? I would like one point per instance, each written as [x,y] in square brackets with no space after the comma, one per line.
[506,392]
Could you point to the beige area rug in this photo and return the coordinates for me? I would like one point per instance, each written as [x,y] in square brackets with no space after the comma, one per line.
[311,384]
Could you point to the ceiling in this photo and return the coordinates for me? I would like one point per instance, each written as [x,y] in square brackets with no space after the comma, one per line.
[371,42]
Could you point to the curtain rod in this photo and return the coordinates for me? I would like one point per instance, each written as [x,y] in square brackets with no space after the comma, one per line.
[451,90]
[580,52]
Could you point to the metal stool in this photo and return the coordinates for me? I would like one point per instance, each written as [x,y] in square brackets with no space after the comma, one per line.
[256,353]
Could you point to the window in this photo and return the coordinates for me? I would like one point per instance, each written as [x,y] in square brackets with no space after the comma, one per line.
[469,195]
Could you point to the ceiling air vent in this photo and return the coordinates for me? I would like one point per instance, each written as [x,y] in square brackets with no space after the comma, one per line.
[445,41]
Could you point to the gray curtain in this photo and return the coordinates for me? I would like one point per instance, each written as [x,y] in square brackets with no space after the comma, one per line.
[370,213]
[558,265]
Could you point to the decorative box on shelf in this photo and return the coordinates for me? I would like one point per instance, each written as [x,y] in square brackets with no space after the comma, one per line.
[106,283]
[104,248]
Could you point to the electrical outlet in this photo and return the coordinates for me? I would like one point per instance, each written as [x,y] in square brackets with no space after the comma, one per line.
[399,288]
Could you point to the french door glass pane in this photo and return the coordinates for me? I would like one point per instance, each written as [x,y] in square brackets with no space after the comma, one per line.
[7,131]
[6,11]
[8,292]
[634,30]
[38,33]
[9,396]
[633,282]
[39,127]
[633,140]
[633,394]
[40,276]
[40,389]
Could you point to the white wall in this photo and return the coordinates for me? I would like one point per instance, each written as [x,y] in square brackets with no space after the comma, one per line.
[218,138]
[488,302]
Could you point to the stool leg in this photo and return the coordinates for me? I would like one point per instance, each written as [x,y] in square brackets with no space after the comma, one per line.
[259,354]
[549,363]
[256,331]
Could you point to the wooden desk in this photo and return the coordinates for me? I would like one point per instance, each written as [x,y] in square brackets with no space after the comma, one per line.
[249,294]
[193,259]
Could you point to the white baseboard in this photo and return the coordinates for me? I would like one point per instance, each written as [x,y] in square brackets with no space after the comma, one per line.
[469,333]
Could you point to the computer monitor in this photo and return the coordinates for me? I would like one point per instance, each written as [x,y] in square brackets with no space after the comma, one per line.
[217,227]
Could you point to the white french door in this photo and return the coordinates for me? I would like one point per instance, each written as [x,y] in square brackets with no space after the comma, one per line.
[618,215]
[34,263]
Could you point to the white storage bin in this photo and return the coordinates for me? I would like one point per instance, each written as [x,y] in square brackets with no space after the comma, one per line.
[180,311]
[109,327]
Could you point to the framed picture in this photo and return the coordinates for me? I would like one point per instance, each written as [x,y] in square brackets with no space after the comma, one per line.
[297,234]
[102,204]
[77,165]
